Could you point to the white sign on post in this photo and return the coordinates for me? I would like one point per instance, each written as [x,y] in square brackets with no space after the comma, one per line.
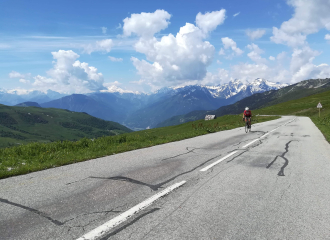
[319,105]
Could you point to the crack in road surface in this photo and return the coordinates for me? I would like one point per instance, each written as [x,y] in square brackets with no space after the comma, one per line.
[281,172]
[237,156]
[44,215]
[131,180]
[187,148]
[154,187]
[54,221]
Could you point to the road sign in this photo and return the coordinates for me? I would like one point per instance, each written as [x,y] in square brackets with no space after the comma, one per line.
[319,106]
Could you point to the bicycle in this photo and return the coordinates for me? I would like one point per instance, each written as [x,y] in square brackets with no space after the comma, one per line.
[247,126]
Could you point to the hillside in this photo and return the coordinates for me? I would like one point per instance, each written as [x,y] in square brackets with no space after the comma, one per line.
[257,101]
[41,156]
[19,125]
[28,104]
[83,103]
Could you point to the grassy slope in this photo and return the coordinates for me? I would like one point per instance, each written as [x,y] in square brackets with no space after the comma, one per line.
[37,156]
[21,125]
[305,107]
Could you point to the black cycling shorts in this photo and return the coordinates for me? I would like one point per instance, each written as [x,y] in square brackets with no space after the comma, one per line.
[247,117]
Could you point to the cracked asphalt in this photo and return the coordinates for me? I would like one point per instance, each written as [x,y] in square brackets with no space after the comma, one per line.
[276,188]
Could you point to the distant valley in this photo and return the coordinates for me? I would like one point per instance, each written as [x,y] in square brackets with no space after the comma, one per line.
[139,111]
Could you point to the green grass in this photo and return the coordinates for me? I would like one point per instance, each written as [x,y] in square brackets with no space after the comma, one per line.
[305,107]
[38,156]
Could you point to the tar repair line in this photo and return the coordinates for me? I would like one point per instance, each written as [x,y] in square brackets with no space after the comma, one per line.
[232,153]
[106,227]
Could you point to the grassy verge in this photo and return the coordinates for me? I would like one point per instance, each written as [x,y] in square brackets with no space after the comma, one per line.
[305,107]
[38,156]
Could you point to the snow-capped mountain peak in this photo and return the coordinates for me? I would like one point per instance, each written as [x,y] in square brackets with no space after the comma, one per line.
[262,85]
[236,86]
[115,89]
[227,90]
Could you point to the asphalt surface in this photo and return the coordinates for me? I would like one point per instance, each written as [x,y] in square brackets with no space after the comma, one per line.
[275,188]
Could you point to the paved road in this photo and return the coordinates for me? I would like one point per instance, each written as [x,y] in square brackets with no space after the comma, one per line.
[275,188]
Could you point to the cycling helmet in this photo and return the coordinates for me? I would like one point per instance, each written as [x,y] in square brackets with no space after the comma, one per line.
[246,108]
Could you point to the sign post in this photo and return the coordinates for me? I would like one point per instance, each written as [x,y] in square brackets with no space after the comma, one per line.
[319,106]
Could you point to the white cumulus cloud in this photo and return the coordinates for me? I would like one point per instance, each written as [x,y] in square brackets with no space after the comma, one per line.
[301,57]
[272,58]
[230,43]
[327,37]
[253,35]
[311,71]
[302,66]
[221,76]
[14,74]
[254,55]
[255,48]
[146,24]
[70,75]
[281,56]
[309,17]
[174,59]
[209,21]
[248,72]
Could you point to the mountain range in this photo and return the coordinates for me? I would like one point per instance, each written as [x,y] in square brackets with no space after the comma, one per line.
[257,101]
[139,111]
[11,98]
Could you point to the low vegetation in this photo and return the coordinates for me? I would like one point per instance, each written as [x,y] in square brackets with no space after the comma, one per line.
[22,125]
[305,107]
[38,156]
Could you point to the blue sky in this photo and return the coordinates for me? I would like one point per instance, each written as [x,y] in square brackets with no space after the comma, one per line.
[85,46]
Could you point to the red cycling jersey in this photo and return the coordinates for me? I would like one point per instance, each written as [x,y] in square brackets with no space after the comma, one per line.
[247,113]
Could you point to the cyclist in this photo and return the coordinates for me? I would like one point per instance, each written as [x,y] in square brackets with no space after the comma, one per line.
[247,114]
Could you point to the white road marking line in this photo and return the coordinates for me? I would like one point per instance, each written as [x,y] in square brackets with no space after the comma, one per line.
[215,163]
[268,133]
[250,143]
[220,160]
[106,227]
